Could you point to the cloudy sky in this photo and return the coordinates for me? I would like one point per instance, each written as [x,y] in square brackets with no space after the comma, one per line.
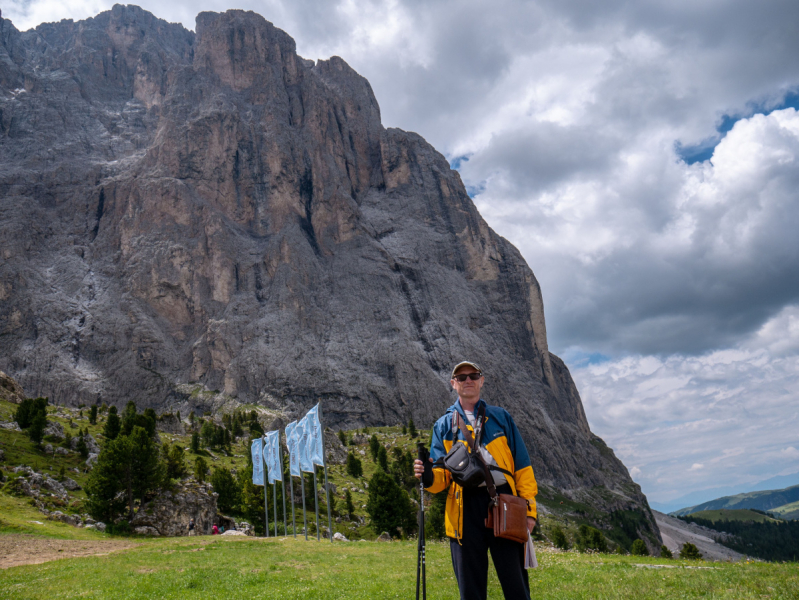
[644,157]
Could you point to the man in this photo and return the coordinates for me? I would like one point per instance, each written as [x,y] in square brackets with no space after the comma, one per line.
[501,445]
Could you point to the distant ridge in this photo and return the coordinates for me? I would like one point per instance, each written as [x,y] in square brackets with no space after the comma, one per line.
[784,503]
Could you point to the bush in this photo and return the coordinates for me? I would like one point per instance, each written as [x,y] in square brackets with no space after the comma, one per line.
[434,527]
[590,538]
[690,552]
[388,505]
[559,539]
[665,552]
[174,462]
[354,466]
[639,548]
[342,438]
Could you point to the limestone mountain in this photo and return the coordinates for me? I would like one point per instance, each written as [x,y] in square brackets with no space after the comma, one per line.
[194,216]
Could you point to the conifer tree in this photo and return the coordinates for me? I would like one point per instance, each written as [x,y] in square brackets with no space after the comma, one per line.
[374,447]
[195,442]
[342,438]
[388,505]
[348,504]
[412,428]
[37,427]
[93,415]
[382,458]
[639,548]
[200,469]
[112,425]
[665,552]
[354,465]
[690,552]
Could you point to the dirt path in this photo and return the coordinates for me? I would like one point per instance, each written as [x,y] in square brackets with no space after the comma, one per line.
[17,549]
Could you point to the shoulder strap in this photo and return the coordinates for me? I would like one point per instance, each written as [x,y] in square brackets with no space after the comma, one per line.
[473,444]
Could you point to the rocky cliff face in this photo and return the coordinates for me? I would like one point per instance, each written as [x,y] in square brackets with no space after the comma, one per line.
[209,209]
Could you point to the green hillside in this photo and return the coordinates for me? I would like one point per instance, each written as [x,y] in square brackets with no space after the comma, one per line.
[744,514]
[769,501]
[789,512]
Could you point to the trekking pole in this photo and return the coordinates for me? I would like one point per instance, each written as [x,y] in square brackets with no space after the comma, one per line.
[422,455]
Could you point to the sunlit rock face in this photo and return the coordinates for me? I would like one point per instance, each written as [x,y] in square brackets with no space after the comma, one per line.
[210,209]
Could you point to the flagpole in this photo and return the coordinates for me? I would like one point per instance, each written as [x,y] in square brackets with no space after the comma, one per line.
[274,497]
[291,495]
[266,501]
[315,500]
[327,487]
[283,483]
[302,487]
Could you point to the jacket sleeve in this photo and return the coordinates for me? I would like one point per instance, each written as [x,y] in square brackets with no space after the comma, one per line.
[441,477]
[523,475]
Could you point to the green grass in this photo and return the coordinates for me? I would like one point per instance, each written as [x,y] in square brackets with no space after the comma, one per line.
[734,514]
[281,568]
[787,511]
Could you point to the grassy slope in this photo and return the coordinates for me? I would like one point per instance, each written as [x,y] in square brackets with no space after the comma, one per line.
[288,569]
[768,500]
[733,515]
[788,511]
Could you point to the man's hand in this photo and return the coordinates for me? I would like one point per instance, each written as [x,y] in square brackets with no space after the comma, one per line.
[418,468]
[530,524]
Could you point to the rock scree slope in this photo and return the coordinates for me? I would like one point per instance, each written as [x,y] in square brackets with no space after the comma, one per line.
[210,209]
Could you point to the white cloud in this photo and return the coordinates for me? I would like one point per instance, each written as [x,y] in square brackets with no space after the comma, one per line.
[697,467]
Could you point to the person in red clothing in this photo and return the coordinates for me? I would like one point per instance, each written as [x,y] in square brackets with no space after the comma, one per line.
[215,530]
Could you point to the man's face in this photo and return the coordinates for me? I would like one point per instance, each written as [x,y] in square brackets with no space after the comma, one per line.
[468,389]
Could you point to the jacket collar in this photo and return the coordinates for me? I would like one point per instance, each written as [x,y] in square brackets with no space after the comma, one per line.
[457,407]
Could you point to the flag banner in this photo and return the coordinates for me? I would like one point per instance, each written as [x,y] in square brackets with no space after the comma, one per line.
[292,440]
[257,463]
[316,436]
[304,429]
[272,456]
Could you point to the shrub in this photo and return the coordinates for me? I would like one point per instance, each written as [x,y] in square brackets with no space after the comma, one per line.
[342,438]
[665,552]
[354,466]
[590,538]
[174,462]
[28,409]
[434,527]
[388,505]
[559,539]
[639,548]
[690,552]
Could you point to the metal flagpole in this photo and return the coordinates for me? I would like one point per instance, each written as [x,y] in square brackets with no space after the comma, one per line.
[315,501]
[302,489]
[327,487]
[283,484]
[266,501]
[291,495]
[274,497]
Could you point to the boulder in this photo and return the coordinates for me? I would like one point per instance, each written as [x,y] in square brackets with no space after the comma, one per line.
[384,537]
[73,520]
[62,451]
[48,449]
[146,530]
[54,429]
[70,484]
[90,442]
[10,390]
[169,512]
[90,462]
[339,537]
[99,526]
[169,423]
[10,425]
[359,439]
[234,532]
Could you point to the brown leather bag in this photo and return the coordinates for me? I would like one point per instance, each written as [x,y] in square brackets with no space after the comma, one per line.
[507,514]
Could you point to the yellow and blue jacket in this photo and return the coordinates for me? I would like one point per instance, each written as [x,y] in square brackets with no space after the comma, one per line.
[503,441]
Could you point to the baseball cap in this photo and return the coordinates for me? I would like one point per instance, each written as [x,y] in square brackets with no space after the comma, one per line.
[464,363]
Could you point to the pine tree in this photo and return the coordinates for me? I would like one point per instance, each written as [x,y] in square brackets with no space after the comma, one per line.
[37,427]
[112,425]
[200,469]
[559,539]
[374,447]
[665,552]
[690,552]
[127,469]
[82,448]
[174,462]
[388,505]
[639,548]
[382,458]
[354,465]
[342,438]
[404,430]
[93,415]
[412,428]
[348,504]
[229,494]
[195,442]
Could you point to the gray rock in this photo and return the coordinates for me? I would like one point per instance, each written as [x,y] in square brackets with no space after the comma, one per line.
[91,460]
[62,451]
[10,390]
[55,429]
[91,443]
[48,449]
[10,425]
[339,537]
[384,537]
[99,526]
[210,207]
[145,530]
[169,423]
[169,513]
[70,484]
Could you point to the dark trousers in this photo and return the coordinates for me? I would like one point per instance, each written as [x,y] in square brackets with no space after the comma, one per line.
[470,556]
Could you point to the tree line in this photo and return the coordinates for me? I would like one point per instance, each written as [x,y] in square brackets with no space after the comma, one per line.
[768,540]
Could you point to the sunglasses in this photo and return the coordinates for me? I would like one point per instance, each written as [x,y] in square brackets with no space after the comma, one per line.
[464,376]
